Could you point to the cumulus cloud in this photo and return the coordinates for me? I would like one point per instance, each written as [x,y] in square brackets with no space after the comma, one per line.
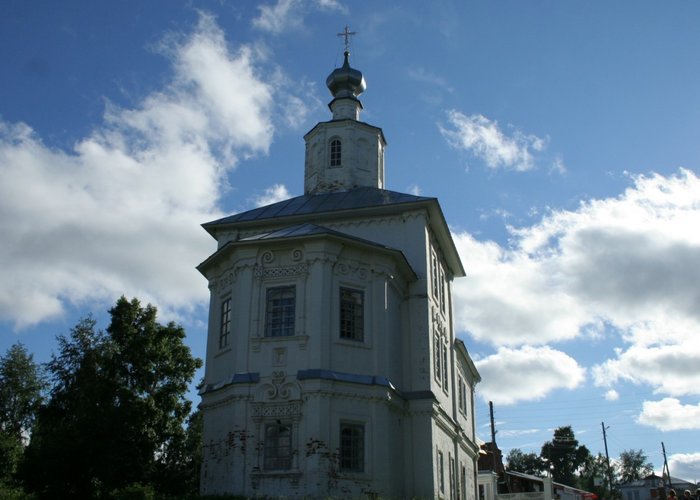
[627,265]
[288,15]
[283,16]
[273,194]
[670,414]
[484,139]
[612,395]
[539,370]
[510,298]
[685,466]
[331,5]
[120,213]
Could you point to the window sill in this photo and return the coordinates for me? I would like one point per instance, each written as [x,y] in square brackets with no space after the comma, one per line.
[261,474]
[256,342]
[362,344]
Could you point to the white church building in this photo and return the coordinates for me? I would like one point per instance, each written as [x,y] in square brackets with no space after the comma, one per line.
[332,365]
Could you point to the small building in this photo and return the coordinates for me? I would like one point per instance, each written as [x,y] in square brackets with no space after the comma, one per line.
[497,483]
[521,486]
[332,366]
[652,487]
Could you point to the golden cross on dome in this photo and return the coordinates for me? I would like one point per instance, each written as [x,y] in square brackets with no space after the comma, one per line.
[347,34]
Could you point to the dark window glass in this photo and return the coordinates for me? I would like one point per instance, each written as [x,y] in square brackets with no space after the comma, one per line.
[278,447]
[225,323]
[351,314]
[445,368]
[280,311]
[352,447]
[335,153]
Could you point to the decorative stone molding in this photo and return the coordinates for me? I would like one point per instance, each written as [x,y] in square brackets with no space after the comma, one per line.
[218,285]
[352,270]
[280,271]
[261,411]
[268,257]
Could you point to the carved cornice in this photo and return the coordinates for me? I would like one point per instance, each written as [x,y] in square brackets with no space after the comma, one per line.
[352,270]
[281,271]
[287,409]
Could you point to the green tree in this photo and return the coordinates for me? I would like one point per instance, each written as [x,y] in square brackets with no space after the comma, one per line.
[564,455]
[21,388]
[633,465]
[527,463]
[593,476]
[117,410]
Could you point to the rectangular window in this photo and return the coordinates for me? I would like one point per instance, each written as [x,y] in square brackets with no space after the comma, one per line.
[352,447]
[278,447]
[335,153]
[464,483]
[441,472]
[434,276]
[462,396]
[225,330]
[442,290]
[453,486]
[437,351]
[445,369]
[351,314]
[281,302]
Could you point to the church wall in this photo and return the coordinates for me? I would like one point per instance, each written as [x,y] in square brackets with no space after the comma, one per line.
[361,157]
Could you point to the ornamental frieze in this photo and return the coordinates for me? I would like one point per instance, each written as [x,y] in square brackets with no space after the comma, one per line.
[280,271]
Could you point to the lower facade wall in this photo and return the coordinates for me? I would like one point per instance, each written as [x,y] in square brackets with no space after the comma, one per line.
[234,445]
[400,450]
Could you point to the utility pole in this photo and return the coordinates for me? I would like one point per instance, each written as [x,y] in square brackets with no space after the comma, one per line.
[607,457]
[666,471]
[493,438]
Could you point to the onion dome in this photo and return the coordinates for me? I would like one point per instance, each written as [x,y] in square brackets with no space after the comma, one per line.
[346,82]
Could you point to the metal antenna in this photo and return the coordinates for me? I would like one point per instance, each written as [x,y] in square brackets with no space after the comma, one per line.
[347,34]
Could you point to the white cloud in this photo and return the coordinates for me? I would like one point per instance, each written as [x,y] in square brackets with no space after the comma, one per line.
[509,298]
[415,189]
[673,369]
[120,213]
[670,414]
[484,139]
[531,374]
[285,15]
[612,395]
[505,433]
[332,5]
[627,265]
[685,466]
[273,194]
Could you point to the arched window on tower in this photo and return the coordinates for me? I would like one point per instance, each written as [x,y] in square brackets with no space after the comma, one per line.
[335,152]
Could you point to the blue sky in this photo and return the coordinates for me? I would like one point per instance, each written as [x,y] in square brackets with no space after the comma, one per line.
[560,138]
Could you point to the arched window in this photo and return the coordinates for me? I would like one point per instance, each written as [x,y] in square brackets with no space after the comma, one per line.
[335,152]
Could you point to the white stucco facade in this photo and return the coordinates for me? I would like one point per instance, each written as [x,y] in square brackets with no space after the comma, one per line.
[332,367]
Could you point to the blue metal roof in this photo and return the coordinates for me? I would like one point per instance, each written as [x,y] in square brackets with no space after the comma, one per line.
[363,197]
[307,229]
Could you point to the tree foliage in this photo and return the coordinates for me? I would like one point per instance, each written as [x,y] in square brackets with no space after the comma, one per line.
[527,463]
[117,408]
[633,465]
[564,455]
[21,387]
[594,474]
